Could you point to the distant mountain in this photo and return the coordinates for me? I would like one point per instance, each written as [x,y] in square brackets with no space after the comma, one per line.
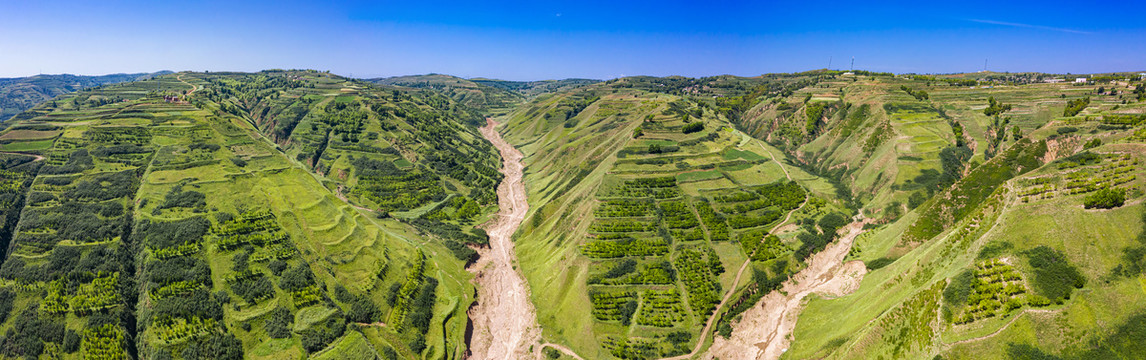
[23,93]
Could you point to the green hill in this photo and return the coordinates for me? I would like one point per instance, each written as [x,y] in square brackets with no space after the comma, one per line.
[644,208]
[168,223]
[19,94]
[966,175]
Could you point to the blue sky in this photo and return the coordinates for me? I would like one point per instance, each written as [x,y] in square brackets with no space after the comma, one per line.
[528,40]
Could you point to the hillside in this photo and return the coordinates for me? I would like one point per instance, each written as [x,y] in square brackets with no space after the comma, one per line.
[491,96]
[646,211]
[19,94]
[952,172]
[1005,262]
[300,214]
[192,234]
[470,93]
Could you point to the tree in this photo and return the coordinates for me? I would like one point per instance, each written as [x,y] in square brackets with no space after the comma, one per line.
[995,107]
[1106,198]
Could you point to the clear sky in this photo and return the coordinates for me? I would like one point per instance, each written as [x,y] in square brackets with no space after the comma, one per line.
[529,40]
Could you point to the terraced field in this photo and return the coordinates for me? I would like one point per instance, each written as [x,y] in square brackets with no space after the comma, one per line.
[661,219]
[237,249]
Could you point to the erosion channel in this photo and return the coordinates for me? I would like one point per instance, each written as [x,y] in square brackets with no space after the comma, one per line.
[504,320]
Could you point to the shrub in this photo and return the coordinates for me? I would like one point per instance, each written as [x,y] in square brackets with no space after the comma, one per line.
[1093,143]
[956,292]
[1055,277]
[692,127]
[878,263]
[1075,106]
[1106,198]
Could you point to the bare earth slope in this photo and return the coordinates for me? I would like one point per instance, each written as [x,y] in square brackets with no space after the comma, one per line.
[505,323]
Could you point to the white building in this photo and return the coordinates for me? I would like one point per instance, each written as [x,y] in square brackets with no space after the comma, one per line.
[1079,80]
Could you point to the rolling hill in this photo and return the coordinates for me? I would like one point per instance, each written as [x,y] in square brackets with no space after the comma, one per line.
[822,214]
[204,226]
[19,94]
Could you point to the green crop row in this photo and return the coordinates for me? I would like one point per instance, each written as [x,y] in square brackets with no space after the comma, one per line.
[605,249]
[698,270]
[613,306]
[677,215]
[717,227]
[660,308]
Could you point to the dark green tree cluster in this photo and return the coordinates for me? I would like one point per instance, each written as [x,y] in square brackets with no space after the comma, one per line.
[1105,198]
[1073,107]
[1055,277]
[812,241]
[995,107]
[919,95]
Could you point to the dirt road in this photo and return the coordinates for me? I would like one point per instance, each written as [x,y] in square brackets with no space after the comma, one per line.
[763,330]
[504,320]
[193,87]
[36,157]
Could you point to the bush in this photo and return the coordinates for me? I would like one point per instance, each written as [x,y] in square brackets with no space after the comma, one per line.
[362,310]
[1073,107]
[956,292]
[71,342]
[1093,143]
[297,278]
[878,263]
[278,323]
[1107,198]
[1055,277]
[692,127]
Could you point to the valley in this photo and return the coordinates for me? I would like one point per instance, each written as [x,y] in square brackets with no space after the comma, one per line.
[505,323]
[823,214]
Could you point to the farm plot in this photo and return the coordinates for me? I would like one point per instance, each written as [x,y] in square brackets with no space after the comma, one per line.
[996,289]
[1080,174]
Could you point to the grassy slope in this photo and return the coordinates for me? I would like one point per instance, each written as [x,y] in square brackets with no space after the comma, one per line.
[340,244]
[881,175]
[568,167]
[864,324]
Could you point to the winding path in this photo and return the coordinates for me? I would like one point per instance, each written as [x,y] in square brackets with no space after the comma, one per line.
[1004,327]
[37,157]
[504,319]
[193,87]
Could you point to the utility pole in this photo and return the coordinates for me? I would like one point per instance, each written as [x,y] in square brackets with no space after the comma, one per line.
[829,62]
[984,65]
[853,68]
